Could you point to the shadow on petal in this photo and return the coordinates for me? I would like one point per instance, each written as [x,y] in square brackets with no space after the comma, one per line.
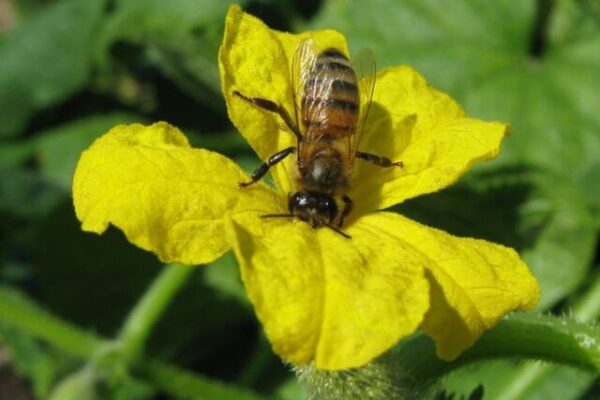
[385,138]
[443,323]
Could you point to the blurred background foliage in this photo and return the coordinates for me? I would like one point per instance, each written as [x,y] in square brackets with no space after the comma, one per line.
[71,69]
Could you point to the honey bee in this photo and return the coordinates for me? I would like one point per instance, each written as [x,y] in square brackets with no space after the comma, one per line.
[332,97]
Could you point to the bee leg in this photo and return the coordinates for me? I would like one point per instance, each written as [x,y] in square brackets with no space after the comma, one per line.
[347,208]
[379,160]
[273,107]
[264,167]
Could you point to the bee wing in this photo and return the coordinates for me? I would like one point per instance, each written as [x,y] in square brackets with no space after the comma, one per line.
[302,66]
[366,71]
[311,85]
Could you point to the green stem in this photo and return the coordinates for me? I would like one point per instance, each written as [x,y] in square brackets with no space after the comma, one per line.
[20,312]
[585,309]
[520,335]
[186,385]
[147,312]
[539,35]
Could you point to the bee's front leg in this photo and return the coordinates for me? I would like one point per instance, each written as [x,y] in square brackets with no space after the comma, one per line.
[264,167]
[378,160]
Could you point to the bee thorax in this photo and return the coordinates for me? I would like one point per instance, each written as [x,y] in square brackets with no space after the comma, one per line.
[324,174]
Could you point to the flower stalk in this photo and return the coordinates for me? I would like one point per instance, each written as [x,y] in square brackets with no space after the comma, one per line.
[22,313]
[147,312]
[585,309]
[411,368]
[522,336]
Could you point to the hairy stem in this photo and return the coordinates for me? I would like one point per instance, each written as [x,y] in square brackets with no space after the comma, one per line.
[585,309]
[520,335]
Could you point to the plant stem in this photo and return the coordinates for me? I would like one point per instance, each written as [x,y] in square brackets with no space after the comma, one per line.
[520,335]
[20,312]
[186,385]
[539,35]
[148,310]
[586,309]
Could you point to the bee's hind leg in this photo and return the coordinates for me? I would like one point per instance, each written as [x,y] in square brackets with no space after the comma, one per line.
[264,167]
[378,160]
[273,107]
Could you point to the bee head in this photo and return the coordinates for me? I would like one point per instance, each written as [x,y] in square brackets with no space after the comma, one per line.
[316,208]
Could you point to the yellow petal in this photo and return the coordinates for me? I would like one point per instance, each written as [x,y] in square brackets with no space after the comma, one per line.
[256,61]
[165,196]
[324,298]
[473,282]
[426,130]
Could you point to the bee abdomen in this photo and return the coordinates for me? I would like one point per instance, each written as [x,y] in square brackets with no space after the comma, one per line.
[330,100]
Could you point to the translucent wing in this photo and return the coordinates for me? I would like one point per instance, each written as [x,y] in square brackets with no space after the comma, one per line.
[302,65]
[366,71]
[330,100]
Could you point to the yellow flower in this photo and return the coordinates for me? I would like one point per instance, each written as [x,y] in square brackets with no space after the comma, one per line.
[321,297]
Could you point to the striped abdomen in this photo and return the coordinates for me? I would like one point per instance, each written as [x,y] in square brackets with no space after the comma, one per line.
[330,100]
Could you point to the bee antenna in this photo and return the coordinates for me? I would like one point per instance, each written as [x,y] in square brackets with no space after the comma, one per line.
[277,216]
[333,228]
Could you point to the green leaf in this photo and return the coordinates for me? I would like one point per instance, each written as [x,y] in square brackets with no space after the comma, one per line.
[45,60]
[291,389]
[558,382]
[111,274]
[77,386]
[24,194]
[182,37]
[33,360]
[88,279]
[564,247]
[15,154]
[224,275]
[479,53]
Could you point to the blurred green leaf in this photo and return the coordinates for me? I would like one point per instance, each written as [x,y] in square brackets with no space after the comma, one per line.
[227,142]
[479,53]
[292,389]
[77,386]
[25,194]
[33,360]
[88,279]
[94,280]
[145,19]
[563,383]
[15,154]
[45,60]
[562,254]
[224,275]
[182,37]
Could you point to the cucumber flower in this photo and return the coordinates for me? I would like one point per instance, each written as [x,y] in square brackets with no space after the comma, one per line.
[321,297]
